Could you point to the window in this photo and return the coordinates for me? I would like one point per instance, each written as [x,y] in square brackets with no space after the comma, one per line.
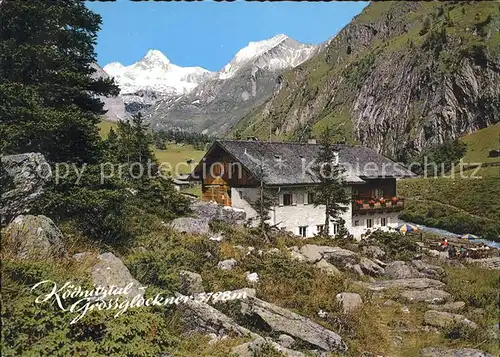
[287,199]
[356,223]
[311,197]
[369,223]
[383,222]
[336,228]
[379,193]
[320,228]
[303,231]
[355,191]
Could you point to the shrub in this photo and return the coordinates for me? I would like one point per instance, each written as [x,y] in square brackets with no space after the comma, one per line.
[397,246]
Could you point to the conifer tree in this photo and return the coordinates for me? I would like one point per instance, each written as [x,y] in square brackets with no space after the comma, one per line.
[264,202]
[49,98]
[330,191]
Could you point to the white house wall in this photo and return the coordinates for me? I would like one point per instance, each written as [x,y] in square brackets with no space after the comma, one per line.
[304,214]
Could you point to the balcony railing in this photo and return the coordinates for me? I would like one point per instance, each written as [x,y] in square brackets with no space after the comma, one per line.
[386,204]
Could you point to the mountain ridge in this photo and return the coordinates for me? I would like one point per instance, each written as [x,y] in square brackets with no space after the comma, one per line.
[398,78]
[215,105]
[154,83]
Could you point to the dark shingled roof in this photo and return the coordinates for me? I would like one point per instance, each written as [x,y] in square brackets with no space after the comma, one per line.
[287,163]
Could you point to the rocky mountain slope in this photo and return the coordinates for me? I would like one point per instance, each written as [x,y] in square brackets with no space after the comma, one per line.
[399,77]
[154,76]
[114,106]
[247,81]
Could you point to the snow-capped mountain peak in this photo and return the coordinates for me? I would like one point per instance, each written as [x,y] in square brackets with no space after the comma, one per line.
[155,72]
[155,58]
[287,53]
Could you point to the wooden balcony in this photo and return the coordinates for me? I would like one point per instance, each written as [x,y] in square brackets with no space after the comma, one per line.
[371,205]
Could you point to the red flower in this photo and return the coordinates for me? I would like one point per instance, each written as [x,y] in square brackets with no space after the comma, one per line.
[359,202]
[395,199]
[382,200]
[371,202]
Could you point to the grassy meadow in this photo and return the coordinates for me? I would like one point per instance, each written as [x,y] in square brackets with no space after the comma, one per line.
[175,154]
[460,205]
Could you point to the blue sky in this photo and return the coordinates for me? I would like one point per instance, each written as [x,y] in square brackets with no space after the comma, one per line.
[209,34]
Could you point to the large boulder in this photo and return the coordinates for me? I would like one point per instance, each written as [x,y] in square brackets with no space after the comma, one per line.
[444,319]
[191,225]
[328,268]
[190,283]
[34,237]
[409,284]
[314,253]
[349,301]
[213,211]
[369,267]
[200,317]
[434,296]
[451,306]
[427,270]
[282,320]
[399,270]
[22,178]
[108,270]
[286,341]
[452,352]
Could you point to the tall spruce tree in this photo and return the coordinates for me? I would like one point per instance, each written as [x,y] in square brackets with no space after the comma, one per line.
[264,202]
[49,99]
[331,191]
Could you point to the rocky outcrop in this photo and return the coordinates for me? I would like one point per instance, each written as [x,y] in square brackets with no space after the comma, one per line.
[203,318]
[371,268]
[427,270]
[22,178]
[108,270]
[191,225]
[452,352]
[411,284]
[211,211]
[385,75]
[285,321]
[190,283]
[444,319]
[286,341]
[399,270]
[34,237]
[414,269]
[314,253]
[328,268]
[452,306]
[434,296]
[254,348]
[349,301]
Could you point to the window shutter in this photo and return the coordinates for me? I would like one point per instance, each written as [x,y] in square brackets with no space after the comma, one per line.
[294,199]
[280,199]
[305,198]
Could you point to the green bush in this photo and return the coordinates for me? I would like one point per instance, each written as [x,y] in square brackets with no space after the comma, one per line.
[397,246]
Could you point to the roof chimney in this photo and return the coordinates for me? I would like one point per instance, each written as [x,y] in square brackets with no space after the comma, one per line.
[311,141]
